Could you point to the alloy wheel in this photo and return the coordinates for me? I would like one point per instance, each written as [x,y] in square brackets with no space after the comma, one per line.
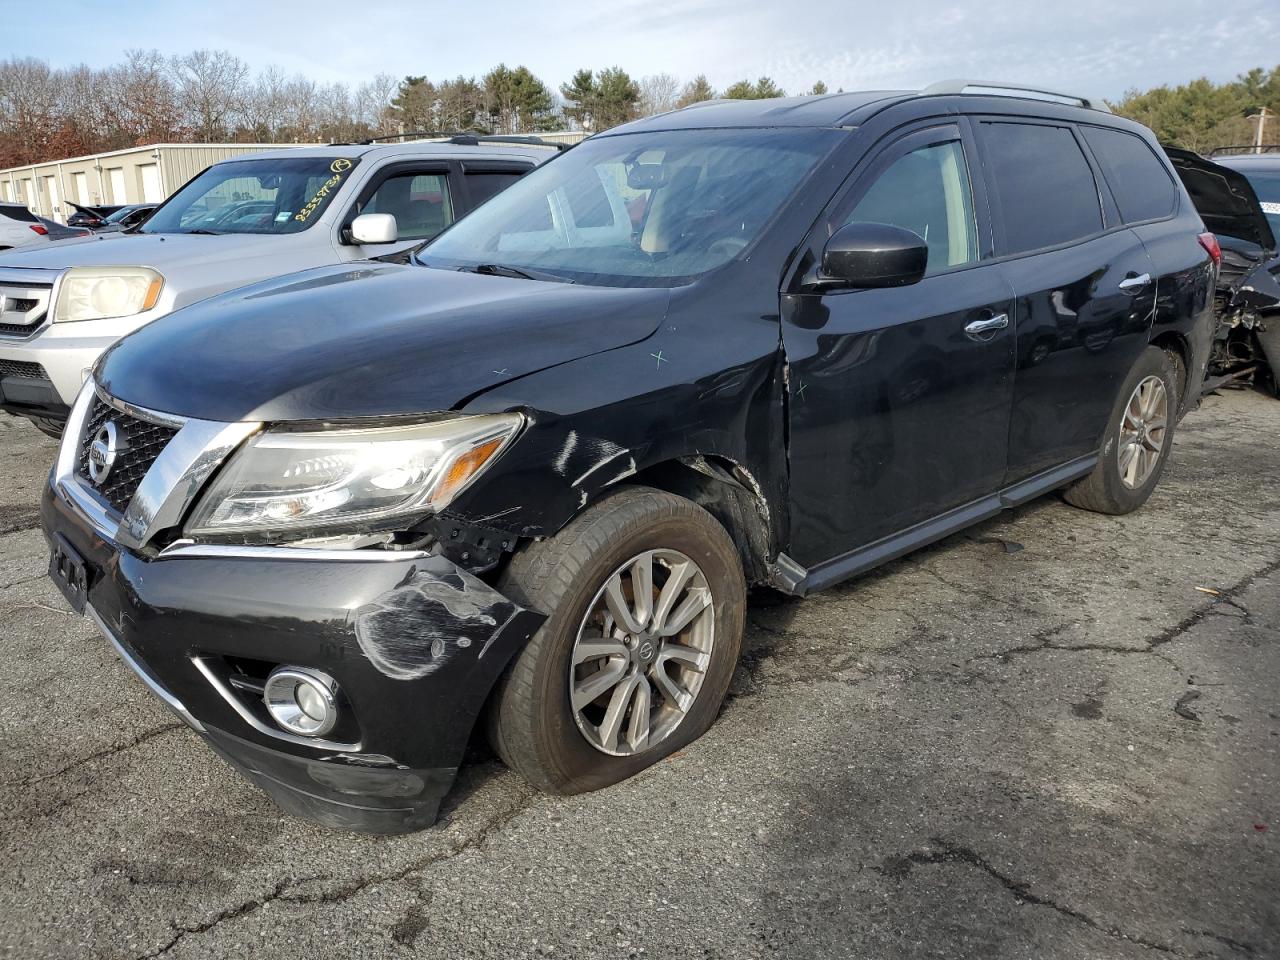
[642,653]
[1142,432]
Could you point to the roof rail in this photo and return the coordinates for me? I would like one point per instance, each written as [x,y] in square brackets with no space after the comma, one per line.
[1244,149]
[463,137]
[1008,89]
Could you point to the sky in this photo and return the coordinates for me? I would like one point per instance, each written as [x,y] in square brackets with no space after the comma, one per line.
[1081,46]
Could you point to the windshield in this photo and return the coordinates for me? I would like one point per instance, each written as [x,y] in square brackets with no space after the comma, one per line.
[1267,186]
[642,209]
[119,215]
[282,195]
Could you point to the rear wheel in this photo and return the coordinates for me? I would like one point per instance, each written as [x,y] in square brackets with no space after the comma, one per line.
[646,603]
[1138,439]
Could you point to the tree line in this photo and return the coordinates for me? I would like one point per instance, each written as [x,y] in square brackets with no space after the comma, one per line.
[207,96]
[212,96]
[1201,115]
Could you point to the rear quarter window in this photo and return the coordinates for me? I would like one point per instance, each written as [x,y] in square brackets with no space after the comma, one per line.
[18,213]
[1044,184]
[1141,185]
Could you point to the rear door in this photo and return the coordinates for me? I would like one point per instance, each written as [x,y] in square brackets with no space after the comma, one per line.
[1084,287]
[899,406]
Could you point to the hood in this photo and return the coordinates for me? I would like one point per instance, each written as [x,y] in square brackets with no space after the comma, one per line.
[367,340]
[143,250]
[1223,197]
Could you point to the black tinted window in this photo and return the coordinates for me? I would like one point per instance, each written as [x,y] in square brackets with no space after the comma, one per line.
[484,185]
[1045,185]
[18,213]
[1142,187]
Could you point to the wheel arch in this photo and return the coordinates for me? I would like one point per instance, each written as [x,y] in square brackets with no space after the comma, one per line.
[1177,346]
[730,493]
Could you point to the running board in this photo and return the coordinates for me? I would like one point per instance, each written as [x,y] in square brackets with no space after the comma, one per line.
[790,577]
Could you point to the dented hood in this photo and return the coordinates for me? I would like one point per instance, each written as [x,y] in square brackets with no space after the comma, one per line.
[1223,198]
[367,340]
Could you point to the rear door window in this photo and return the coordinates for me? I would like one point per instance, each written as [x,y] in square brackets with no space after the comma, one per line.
[1142,187]
[1045,186]
[483,184]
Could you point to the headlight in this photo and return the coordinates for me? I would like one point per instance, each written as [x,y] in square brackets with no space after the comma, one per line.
[331,478]
[99,293]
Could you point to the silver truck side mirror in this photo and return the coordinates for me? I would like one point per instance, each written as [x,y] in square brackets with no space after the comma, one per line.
[374,228]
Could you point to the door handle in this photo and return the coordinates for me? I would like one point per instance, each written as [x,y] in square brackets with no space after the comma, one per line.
[977,328]
[1134,284]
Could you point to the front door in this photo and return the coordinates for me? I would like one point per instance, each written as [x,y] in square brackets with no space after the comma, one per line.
[899,398]
[418,194]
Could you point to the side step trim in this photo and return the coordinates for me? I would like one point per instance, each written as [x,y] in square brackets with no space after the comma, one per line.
[790,577]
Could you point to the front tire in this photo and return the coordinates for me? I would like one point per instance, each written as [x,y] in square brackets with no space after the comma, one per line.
[1139,437]
[646,601]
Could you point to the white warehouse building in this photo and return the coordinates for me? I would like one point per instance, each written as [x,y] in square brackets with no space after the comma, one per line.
[138,175]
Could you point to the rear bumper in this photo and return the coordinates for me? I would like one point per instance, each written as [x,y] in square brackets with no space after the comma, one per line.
[415,645]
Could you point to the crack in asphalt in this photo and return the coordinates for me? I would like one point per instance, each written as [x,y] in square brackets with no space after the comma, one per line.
[1042,640]
[1238,946]
[108,752]
[280,891]
[949,852]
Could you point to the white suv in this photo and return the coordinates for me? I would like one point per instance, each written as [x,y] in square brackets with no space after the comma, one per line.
[238,222]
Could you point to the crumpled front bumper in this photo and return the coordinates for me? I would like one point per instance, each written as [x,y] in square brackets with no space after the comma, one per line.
[414,642]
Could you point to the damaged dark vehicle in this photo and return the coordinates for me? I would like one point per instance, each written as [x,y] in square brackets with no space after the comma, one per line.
[1239,199]
[518,483]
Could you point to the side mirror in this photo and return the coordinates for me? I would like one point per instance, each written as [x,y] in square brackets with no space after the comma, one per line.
[374,228]
[874,255]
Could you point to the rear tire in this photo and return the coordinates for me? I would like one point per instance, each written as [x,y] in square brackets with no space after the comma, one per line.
[533,724]
[1138,439]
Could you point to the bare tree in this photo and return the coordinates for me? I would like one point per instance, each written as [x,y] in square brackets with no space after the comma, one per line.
[373,103]
[211,86]
[658,94]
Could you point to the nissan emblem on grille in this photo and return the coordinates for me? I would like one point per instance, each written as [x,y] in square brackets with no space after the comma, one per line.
[108,443]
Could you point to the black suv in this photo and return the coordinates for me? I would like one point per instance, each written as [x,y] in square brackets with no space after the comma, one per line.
[522,478]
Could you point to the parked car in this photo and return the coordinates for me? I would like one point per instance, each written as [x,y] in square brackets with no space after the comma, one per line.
[126,218]
[238,222]
[19,227]
[90,216]
[526,474]
[1239,199]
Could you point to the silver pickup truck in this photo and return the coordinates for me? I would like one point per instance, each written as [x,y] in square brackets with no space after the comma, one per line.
[238,222]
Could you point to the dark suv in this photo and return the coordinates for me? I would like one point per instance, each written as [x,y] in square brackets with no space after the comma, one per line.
[522,478]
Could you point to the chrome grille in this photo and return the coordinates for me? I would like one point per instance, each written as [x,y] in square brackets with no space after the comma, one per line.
[144,442]
[23,309]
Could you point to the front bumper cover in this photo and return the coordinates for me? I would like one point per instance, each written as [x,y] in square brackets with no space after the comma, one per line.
[415,643]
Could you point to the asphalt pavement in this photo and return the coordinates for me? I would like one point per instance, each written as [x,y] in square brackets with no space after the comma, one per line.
[1056,735]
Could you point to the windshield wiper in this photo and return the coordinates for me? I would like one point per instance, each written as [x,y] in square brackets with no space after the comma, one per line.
[520,273]
[205,231]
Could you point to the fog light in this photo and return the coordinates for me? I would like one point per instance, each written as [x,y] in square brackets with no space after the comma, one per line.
[301,701]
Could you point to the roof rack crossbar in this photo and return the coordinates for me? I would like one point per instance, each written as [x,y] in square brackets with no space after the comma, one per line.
[961,85]
[464,137]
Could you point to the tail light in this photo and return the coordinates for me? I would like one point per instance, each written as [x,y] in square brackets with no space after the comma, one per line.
[1210,244]
[40,229]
